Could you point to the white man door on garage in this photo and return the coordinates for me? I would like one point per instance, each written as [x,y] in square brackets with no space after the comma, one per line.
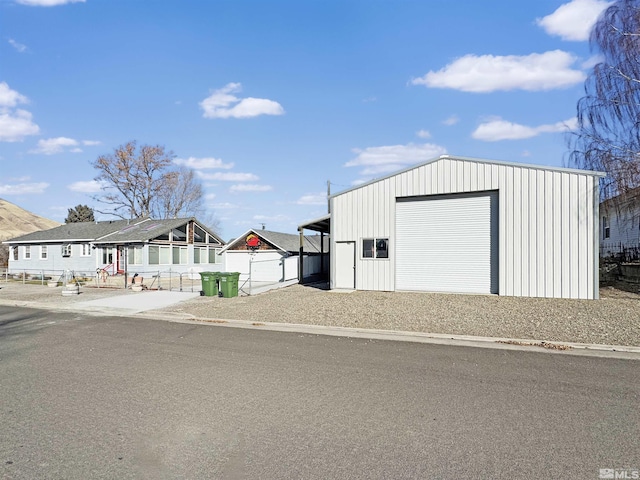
[447,243]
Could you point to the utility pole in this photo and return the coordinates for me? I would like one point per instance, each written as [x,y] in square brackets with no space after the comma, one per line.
[328,195]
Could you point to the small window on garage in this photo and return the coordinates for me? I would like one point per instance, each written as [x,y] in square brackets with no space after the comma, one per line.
[375,248]
[15,253]
[606,229]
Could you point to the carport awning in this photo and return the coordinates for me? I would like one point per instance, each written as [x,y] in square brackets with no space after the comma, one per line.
[322,225]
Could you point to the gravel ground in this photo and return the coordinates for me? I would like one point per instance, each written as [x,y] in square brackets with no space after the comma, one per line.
[612,320]
[41,295]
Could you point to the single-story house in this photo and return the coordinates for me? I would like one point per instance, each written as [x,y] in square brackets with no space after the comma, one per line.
[118,247]
[456,224]
[268,256]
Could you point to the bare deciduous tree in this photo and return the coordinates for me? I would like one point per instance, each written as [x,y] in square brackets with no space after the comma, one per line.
[608,134]
[180,192]
[142,182]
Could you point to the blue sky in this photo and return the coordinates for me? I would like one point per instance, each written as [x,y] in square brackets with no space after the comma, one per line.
[268,100]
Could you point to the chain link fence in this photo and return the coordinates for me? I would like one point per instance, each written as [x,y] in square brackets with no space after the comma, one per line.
[150,280]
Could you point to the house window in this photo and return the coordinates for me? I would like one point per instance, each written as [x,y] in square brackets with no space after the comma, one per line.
[134,255]
[85,250]
[199,235]
[606,230]
[180,234]
[159,255]
[15,253]
[375,248]
[180,255]
[27,252]
[43,252]
[107,256]
[207,255]
[66,250]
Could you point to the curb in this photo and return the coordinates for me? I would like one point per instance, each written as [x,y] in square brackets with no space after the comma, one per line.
[498,343]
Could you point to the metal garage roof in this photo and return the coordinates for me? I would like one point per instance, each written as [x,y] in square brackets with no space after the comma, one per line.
[322,224]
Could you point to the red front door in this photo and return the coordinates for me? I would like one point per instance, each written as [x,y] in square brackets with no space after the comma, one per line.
[120,260]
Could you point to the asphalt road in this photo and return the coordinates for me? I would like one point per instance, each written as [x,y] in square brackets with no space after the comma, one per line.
[84,397]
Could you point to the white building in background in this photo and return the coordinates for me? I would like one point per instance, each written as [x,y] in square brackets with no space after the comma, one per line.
[620,223]
[456,224]
[267,256]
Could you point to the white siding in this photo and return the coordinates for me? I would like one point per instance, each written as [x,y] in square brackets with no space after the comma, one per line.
[267,264]
[547,223]
[624,223]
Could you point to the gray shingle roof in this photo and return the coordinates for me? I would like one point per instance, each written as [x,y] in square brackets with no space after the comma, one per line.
[288,242]
[142,231]
[83,231]
[115,231]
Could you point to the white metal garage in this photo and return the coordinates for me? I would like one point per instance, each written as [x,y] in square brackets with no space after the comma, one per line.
[461,224]
[447,243]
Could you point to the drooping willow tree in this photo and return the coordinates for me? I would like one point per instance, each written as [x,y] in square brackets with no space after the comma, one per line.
[608,134]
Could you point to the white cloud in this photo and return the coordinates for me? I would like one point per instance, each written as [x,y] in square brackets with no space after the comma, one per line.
[14,126]
[247,187]
[423,134]
[203,163]
[18,46]
[490,73]
[451,120]
[223,104]
[91,186]
[47,3]
[224,206]
[592,61]
[228,177]
[497,129]
[313,199]
[9,97]
[271,218]
[573,20]
[23,188]
[91,143]
[393,157]
[210,196]
[51,146]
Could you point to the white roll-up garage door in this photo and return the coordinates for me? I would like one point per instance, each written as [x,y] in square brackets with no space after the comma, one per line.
[448,243]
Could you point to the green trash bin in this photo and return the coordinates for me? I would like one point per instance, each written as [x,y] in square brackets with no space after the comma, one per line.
[229,284]
[209,283]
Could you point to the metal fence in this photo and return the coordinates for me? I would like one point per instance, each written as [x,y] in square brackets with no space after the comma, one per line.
[620,252]
[151,280]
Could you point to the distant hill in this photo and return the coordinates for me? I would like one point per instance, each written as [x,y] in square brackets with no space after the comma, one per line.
[16,221]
